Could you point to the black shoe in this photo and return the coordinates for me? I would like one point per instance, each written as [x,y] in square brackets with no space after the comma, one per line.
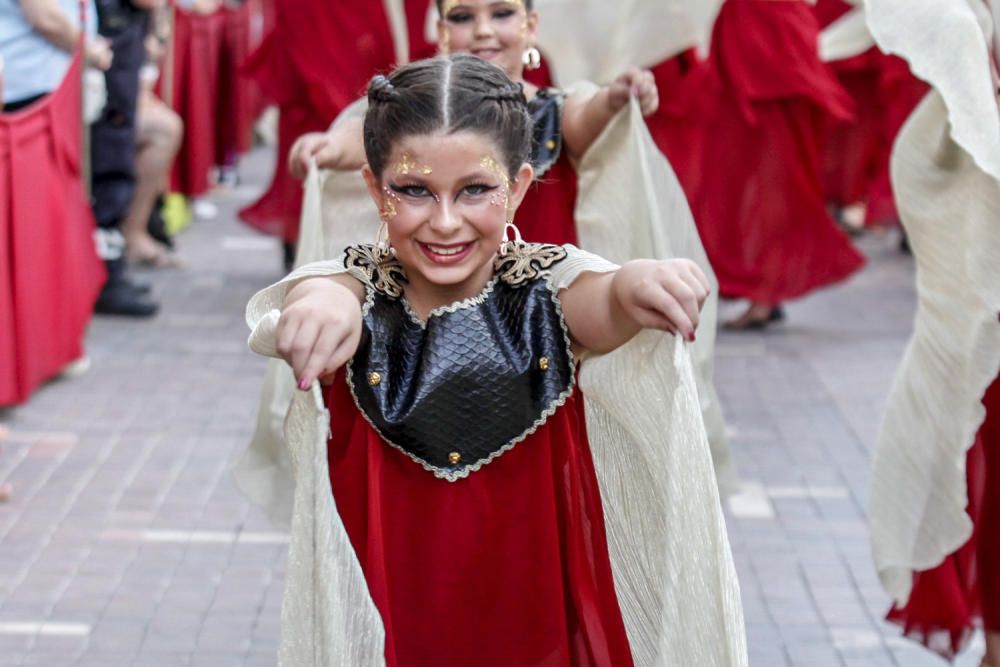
[141,289]
[122,299]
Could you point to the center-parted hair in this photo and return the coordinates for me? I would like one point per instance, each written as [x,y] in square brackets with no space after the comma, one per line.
[447,94]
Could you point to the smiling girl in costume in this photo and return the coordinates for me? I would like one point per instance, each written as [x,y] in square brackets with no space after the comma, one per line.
[630,205]
[452,508]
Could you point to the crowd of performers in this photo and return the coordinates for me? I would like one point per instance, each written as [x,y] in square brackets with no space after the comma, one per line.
[754,141]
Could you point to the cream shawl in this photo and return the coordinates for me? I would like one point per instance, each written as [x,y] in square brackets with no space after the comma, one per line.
[945,171]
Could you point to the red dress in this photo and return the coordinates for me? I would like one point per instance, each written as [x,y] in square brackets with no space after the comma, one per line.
[899,94]
[676,125]
[316,61]
[50,274]
[198,42]
[950,601]
[547,213]
[759,203]
[852,148]
[508,567]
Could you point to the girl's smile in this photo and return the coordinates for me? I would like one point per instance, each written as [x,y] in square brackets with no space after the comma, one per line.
[446,200]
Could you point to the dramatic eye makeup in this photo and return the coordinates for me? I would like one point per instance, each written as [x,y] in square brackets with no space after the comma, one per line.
[411,190]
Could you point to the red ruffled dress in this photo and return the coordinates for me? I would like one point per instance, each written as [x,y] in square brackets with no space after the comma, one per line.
[195,95]
[547,213]
[50,274]
[950,601]
[899,94]
[504,563]
[852,148]
[676,125]
[507,567]
[316,61]
[759,202]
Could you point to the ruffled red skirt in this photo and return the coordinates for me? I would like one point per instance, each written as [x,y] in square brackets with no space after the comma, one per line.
[759,202]
[50,274]
[899,94]
[198,42]
[507,567]
[963,593]
[676,125]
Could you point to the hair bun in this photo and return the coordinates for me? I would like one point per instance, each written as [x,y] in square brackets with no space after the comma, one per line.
[511,92]
[381,90]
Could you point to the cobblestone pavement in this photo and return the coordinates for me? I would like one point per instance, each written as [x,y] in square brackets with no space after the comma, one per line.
[126,542]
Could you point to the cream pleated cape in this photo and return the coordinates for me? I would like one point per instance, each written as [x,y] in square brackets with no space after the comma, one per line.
[670,557]
[945,171]
[629,205]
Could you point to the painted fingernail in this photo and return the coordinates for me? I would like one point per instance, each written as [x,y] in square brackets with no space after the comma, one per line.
[303,384]
[691,337]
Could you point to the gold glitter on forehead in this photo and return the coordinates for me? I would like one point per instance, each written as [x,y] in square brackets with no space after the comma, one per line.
[490,162]
[449,5]
[408,165]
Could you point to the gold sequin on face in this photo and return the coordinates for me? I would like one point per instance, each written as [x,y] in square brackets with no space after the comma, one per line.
[407,165]
[503,199]
[389,203]
[454,458]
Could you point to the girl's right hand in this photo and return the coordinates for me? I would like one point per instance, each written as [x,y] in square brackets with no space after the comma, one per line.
[319,328]
[319,146]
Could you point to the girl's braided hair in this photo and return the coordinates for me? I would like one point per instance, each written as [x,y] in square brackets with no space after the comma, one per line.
[447,94]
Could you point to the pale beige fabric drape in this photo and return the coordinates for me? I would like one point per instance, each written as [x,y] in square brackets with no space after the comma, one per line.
[945,170]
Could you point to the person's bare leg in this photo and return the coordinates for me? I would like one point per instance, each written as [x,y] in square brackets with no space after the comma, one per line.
[159,137]
[992,657]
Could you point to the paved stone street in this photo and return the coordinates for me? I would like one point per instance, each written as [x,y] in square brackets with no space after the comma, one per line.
[126,542]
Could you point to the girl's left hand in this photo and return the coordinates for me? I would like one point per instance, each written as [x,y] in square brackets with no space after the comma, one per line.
[666,295]
[638,83]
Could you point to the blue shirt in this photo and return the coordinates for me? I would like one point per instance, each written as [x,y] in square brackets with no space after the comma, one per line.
[31,64]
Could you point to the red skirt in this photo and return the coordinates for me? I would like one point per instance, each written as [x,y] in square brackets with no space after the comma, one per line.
[547,212]
[963,593]
[899,94]
[852,148]
[759,203]
[50,274]
[507,567]
[676,125]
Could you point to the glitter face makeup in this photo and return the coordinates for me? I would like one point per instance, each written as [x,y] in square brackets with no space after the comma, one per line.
[501,198]
[389,206]
[407,166]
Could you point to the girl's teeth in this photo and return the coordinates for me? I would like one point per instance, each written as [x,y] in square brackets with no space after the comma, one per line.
[446,251]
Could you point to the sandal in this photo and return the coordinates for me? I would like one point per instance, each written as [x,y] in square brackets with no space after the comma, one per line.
[754,319]
[159,259]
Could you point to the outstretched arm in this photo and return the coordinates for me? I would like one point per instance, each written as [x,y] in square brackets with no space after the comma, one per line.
[341,148]
[605,310]
[584,118]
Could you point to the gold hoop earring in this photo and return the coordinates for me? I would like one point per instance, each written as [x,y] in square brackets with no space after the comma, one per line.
[509,245]
[531,58]
[382,249]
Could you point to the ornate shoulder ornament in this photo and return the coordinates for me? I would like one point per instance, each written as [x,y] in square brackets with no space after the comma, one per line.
[519,262]
[383,273]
